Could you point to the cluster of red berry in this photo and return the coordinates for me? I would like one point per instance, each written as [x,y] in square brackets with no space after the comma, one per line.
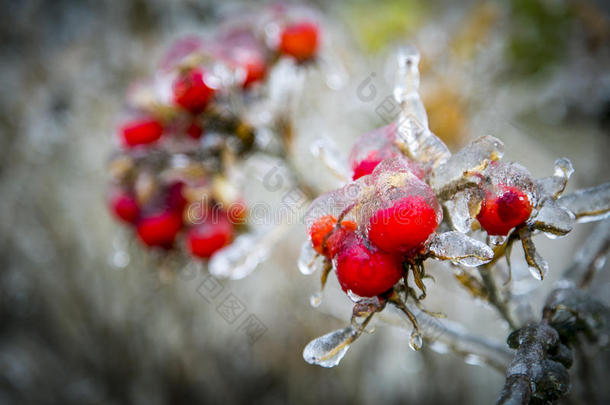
[183,130]
[396,213]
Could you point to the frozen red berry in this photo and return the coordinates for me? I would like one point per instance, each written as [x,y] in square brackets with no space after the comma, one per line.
[320,229]
[335,239]
[141,132]
[124,206]
[404,226]
[367,165]
[159,229]
[300,41]
[206,239]
[191,92]
[364,271]
[502,212]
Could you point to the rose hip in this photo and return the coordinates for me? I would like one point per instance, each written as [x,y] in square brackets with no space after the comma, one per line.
[141,132]
[191,92]
[404,226]
[501,213]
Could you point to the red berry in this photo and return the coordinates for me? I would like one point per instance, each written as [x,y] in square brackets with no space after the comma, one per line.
[125,207]
[366,272]
[256,69]
[159,229]
[194,130]
[404,226]
[320,230]
[335,239]
[501,213]
[141,132]
[191,92]
[205,239]
[367,165]
[300,41]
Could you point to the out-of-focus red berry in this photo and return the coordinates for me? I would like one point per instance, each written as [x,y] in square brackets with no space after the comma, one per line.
[141,132]
[256,69]
[159,229]
[175,199]
[366,272]
[194,130]
[125,207]
[320,229]
[300,41]
[191,92]
[501,213]
[206,239]
[404,226]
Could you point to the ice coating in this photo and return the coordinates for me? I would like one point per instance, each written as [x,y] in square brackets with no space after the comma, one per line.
[309,260]
[511,174]
[459,248]
[413,136]
[328,350]
[462,208]
[375,146]
[591,204]
[537,265]
[553,186]
[554,219]
[391,181]
[471,159]
[339,203]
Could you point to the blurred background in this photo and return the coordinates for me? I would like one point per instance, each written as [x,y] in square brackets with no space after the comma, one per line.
[82,321]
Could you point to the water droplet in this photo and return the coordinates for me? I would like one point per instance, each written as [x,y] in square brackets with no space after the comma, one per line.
[416,341]
[328,350]
[316,299]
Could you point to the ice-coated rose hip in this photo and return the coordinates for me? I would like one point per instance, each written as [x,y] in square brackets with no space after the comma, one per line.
[503,211]
[367,165]
[365,271]
[319,231]
[404,226]
[325,236]
[206,239]
[300,40]
[191,92]
[141,132]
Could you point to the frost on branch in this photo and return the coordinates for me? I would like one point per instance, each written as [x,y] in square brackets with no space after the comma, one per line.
[591,204]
